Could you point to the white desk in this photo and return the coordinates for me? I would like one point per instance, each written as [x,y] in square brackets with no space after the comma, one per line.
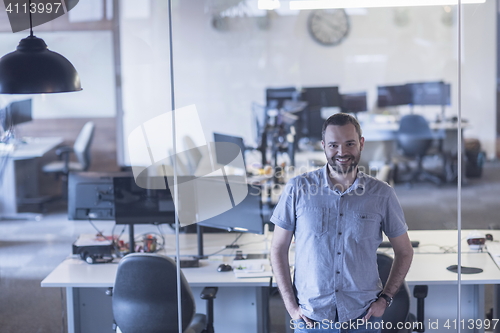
[29,151]
[240,305]
[438,250]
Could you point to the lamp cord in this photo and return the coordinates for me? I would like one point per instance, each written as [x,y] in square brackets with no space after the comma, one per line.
[31,22]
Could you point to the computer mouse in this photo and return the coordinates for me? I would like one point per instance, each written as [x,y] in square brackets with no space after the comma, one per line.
[224,268]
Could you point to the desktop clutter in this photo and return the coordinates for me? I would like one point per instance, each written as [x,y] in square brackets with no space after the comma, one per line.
[98,249]
[246,266]
[477,241]
[115,197]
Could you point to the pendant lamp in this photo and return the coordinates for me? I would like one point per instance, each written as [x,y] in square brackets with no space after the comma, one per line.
[34,69]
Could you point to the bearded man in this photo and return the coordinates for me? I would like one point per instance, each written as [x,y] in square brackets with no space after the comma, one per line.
[337,215]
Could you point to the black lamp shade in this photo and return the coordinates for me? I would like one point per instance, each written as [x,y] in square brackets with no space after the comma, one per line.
[33,69]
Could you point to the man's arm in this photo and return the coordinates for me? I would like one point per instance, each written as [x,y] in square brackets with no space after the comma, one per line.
[403,254]
[281,269]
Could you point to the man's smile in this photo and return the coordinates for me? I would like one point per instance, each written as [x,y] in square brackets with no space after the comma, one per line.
[344,159]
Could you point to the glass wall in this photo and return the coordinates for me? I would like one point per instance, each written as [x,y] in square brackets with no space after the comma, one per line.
[228,56]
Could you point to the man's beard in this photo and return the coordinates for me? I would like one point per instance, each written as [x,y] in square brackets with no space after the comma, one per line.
[344,169]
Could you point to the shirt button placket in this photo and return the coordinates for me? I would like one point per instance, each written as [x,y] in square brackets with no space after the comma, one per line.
[339,246]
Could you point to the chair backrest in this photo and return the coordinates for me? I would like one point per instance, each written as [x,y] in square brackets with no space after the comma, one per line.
[414,124]
[145,295]
[414,136]
[400,308]
[82,145]
[193,154]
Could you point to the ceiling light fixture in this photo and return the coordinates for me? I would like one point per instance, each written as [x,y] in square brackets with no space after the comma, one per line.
[269,4]
[34,69]
[327,4]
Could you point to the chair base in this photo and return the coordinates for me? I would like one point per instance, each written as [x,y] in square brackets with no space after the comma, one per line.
[418,174]
[427,176]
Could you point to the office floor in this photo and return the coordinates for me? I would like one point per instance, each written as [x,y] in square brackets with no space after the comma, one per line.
[29,250]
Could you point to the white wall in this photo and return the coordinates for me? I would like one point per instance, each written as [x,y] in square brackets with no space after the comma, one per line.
[223,72]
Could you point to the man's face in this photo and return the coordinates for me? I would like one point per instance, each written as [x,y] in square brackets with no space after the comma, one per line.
[342,147]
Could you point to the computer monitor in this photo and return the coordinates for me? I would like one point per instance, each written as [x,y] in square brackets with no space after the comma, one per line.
[394,95]
[317,98]
[3,122]
[15,113]
[155,205]
[137,205]
[430,93]
[354,102]
[20,111]
[225,159]
[275,97]
[90,195]
[244,217]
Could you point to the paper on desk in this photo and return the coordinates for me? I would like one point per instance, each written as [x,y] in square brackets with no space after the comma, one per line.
[252,268]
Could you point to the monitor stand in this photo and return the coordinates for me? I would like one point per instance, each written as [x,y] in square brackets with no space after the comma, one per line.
[131,238]
[199,233]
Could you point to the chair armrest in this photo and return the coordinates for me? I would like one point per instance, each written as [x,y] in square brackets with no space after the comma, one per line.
[420,291]
[63,150]
[63,153]
[209,292]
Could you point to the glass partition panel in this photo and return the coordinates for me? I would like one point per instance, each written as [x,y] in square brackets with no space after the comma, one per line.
[271,77]
[265,75]
[479,118]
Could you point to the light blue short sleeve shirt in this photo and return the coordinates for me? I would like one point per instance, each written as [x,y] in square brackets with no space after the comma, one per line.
[336,240]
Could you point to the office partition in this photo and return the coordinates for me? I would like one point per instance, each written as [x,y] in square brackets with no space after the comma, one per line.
[227,54]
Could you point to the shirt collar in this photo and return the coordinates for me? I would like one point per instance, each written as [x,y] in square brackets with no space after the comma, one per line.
[359,182]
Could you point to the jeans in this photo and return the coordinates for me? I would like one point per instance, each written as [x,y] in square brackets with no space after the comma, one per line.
[374,325]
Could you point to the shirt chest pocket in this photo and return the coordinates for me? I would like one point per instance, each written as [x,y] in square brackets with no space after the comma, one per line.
[312,220]
[366,225]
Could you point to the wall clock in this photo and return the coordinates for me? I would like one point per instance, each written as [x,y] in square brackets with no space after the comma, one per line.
[328,27]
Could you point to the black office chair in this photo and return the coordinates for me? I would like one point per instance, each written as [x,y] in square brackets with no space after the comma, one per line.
[81,148]
[399,311]
[414,139]
[145,297]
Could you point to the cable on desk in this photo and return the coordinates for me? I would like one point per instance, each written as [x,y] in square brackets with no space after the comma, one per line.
[445,249]
[228,247]
[216,252]
[99,232]
[116,241]
[257,242]
[160,231]
[237,237]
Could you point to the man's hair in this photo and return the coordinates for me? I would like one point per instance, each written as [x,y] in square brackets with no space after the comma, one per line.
[341,119]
